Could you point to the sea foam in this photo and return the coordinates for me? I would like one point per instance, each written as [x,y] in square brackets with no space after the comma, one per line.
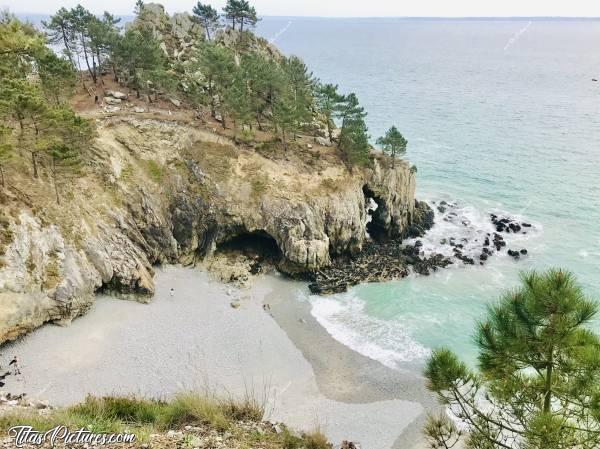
[345,318]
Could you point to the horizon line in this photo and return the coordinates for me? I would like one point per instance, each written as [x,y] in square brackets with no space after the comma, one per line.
[383,17]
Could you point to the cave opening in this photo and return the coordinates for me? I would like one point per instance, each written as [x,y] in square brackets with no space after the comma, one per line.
[375,228]
[258,246]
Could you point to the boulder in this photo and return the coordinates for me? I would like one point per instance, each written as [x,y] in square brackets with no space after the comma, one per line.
[112,101]
[116,94]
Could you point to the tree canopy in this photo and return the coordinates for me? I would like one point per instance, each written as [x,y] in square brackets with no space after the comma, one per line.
[393,143]
[539,364]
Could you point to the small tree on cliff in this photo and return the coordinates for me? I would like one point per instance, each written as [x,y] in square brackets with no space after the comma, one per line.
[538,385]
[328,102]
[217,63]
[354,140]
[57,77]
[207,16]
[393,143]
[247,16]
[232,11]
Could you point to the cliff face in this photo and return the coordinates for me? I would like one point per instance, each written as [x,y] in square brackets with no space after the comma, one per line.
[165,192]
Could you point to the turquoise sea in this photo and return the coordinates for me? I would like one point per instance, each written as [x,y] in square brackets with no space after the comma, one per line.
[501,116]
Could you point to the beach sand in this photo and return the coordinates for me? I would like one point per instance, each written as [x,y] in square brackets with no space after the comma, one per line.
[195,340]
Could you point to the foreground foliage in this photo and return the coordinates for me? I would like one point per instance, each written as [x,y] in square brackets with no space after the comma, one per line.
[538,385]
[115,414]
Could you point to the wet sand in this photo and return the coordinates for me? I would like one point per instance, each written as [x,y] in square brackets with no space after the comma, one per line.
[195,340]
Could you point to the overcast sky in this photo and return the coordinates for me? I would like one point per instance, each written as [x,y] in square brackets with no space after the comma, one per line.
[346,8]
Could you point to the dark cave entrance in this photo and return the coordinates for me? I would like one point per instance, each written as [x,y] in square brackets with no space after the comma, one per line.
[376,228]
[258,246]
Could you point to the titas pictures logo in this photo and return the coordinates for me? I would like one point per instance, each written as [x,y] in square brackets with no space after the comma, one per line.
[23,435]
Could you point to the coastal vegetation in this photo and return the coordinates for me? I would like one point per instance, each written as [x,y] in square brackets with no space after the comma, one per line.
[189,417]
[537,385]
[241,87]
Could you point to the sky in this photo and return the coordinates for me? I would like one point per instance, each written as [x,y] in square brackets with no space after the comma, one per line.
[345,8]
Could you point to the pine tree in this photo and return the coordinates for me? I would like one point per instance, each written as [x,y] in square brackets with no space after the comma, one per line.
[207,16]
[263,78]
[284,114]
[139,8]
[103,35]
[353,139]
[539,369]
[57,76]
[218,66]
[64,140]
[139,59]
[247,15]
[393,143]
[329,101]
[237,101]
[301,83]
[60,30]
[19,44]
[23,102]
[348,111]
[233,11]
[81,19]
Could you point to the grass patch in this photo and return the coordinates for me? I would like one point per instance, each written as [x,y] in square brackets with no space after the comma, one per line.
[154,170]
[315,440]
[259,185]
[127,172]
[143,417]
[112,413]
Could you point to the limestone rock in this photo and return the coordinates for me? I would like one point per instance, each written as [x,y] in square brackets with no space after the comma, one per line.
[112,101]
[178,194]
[116,94]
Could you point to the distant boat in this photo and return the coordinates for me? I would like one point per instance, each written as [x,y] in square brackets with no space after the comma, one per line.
[594,79]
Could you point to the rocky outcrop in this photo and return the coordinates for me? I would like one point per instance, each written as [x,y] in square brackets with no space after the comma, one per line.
[164,192]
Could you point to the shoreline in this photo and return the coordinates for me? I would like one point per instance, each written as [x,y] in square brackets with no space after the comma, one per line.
[345,375]
[196,340]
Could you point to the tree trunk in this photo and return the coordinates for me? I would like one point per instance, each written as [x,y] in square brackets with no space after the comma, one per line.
[99,65]
[87,59]
[548,386]
[258,121]
[94,66]
[66,43]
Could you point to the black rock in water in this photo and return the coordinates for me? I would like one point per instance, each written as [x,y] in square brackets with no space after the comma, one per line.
[377,262]
[514,254]
[423,219]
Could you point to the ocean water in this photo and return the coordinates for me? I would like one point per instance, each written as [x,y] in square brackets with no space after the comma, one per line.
[501,116]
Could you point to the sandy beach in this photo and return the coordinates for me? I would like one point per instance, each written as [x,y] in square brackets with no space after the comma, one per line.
[195,340]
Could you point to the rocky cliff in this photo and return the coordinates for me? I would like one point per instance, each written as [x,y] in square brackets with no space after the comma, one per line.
[161,191]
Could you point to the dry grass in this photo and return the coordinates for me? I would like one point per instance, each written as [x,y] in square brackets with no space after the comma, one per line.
[143,417]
